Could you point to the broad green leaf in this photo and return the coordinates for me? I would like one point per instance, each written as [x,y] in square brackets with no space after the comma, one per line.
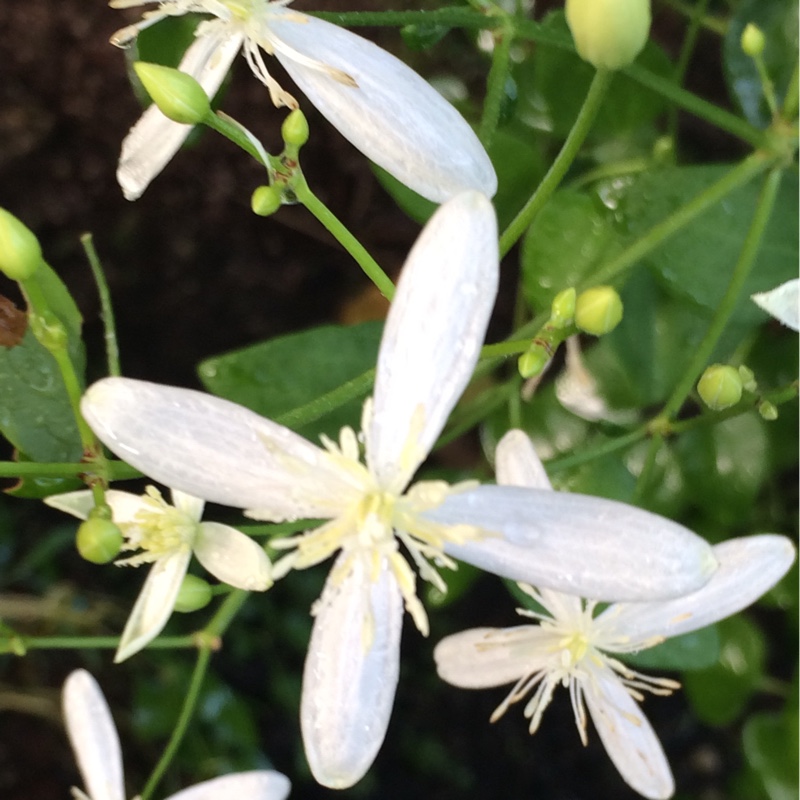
[667,493]
[771,747]
[282,374]
[720,693]
[602,477]
[697,262]
[554,82]
[778,21]
[691,651]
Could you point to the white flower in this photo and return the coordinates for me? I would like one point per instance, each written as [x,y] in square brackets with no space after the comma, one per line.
[95,743]
[382,106]
[167,536]
[430,346]
[782,302]
[574,647]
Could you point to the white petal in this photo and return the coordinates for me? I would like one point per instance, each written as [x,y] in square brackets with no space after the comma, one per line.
[153,140]
[627,736]
[232,557]
[189,504]
[256,785]
[79,503]
[348,693]
[581,545]
[154,605]
[93,737]
[215,449]
[782,302]
[433,335]
[124,505]
[516,462]
[393,116]
[748,567]
[484,657]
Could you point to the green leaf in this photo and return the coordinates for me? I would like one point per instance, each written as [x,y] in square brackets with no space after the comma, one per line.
[697,262]
[282,374]
[771,747]
[691,651]
[720,693]
[166,42]
[777,20]
[601,477]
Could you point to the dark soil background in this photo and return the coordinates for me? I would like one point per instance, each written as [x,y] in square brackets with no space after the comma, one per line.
[194,273]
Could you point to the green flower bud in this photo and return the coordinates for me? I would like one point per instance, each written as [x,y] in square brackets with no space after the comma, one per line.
[20,253]
[748,378]
[98,540]
[194,594]
[609,34]
[664,150]
[295,129]
[752,40]
[720,387]
[532,363]
[768,411]
[266,200]
[178,96]
[562,309]
[598,310]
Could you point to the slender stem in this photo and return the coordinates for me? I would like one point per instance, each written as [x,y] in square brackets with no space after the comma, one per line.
[114,470]
[90,642]
[106,309]
[744,265]
[231,131]
[344,237]
[649,465]
[586,454]
[711,23]
[563,161]
[789,110]
[767,86]
[495,85]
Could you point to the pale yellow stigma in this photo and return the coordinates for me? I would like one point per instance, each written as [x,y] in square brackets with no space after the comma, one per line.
[573,648]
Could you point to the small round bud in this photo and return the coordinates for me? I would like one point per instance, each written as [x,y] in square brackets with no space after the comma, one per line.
[179,96]
[98,540]
[748,378]
[266,200]
[20,253]
[752,40]
[194,594]
[532,362]
[562,309]
[295,129]
[598,310]
[664,150]
[609,34]
[768,411]
[720,387]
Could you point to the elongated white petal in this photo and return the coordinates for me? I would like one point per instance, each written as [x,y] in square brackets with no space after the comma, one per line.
[233,557]
[517,464]
[93,737]
[433,335]
[484,657]
[393,116]
[153,140]
[782,302]
[577,544]
[154,605]
[748,567]
[257,785]
[214,449]
[124,505]
[627,736]
[190,505]
[348,691]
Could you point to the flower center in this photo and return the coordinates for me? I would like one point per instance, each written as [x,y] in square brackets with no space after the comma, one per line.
[574,648]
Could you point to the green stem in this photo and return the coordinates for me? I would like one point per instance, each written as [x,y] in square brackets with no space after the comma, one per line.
[106,309]
[711,23]
[495,85]
[586,454]
[649,465]
[740,175]
[232,131]
[789,110]
[89,643]
[114,470]
[344,237]
[744,265]
[563,161]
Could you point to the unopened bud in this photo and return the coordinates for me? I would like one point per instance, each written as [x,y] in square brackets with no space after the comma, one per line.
[295,129]
[179,96]
[752,40]
[98,540]
[598,310]
[609,34]
[748,378]
[194,594]
[720,387]
[266,200]
[20,253]
[532,362]
[768,411]
[562,309]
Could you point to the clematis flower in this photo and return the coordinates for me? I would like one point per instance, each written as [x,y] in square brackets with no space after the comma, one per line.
[380,105]
[782,302]
[97,750]
[577,648]
[166,536]
[379,526]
